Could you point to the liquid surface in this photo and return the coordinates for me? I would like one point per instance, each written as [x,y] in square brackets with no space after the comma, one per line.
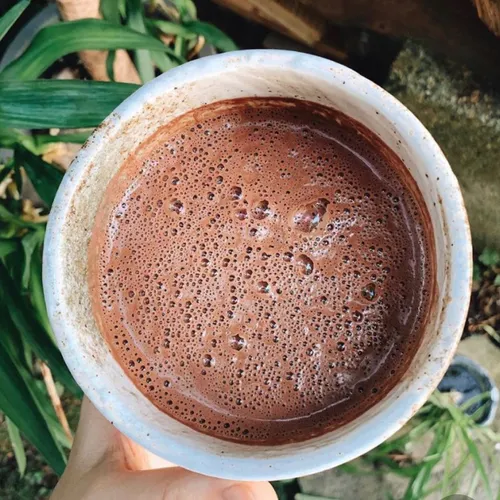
[262,269]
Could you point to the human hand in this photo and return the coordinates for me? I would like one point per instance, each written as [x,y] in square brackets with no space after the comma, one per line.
[106,465]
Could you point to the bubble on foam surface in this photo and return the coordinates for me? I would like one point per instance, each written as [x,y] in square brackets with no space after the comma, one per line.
[257,279]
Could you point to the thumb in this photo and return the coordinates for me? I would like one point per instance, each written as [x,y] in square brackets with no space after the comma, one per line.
[179,484]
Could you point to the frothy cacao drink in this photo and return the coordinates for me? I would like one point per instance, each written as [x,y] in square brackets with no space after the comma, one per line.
[263,269]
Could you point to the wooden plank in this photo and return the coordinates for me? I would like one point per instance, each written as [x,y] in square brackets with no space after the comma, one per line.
[489,12]
[448,27]
[298,22]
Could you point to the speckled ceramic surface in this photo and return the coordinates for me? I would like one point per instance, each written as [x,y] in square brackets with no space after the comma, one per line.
[249,74]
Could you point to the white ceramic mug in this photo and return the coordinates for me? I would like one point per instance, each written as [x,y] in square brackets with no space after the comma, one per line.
[250,74]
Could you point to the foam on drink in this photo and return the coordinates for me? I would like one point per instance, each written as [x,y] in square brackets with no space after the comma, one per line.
[263,269]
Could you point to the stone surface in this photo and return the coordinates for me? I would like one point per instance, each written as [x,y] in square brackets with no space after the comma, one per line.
[464,118]
[337,483]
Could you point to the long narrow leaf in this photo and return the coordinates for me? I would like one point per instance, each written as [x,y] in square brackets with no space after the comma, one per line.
[110,12]
[162,61]
[17,402]
[25,321]
[186,9]
[13,344]
[36,292]
[17,446]
[58,40]
[171,28]
[212,35]
[11,16]
[7,247]
[142,57]
[42,398]
[45,177]
[72,104]
[476,457]
[10,137]
[31,243]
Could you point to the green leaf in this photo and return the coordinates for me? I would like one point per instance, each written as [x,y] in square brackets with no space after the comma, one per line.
[7,247]
[44,177]
[42,398]
[31,243]
[110,65]
[18,403]
[10,137]
[72,104]
[440,444]
[496,281]
[142,57]
[36,292]
[55,41]
[17,446]
[489,257]
[191,29]
[476,457]
[171,28]
[32,331]
[162,61]
[186,9]
[180,45]
[212,35]
[6,216]
[110,11]
[11,16]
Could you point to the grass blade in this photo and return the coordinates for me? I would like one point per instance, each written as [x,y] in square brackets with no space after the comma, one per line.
[171,28]
[179,45]
[18,403]
[439,446]
[476,457]
[30,243]
[17,446]
[32,331]
[162,61]
[55,41]
[7,247]
[44,177]
[36,292]
[11,16]
[186,9]
[72,104]
[142,57]
[110,12]
[212,35]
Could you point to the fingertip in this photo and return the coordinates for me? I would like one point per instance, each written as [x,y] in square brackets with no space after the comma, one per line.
[249,491]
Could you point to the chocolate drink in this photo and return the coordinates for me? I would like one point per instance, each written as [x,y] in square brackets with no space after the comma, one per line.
[263,269]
